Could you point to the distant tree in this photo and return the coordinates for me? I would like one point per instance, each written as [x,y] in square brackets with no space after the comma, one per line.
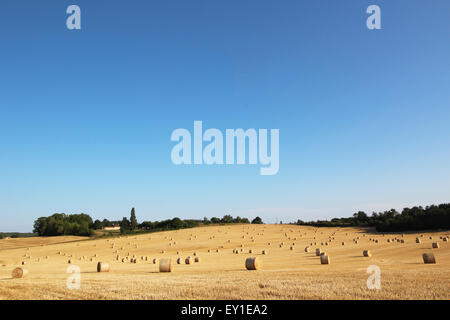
[206,221]
[176,223]
[97,225]
[215,220]
[227,218]
[125,226]
[106,223]
[257,220]
[133,220]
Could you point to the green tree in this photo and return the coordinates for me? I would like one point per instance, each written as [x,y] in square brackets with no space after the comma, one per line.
[125,226]
[257,220]
[133,220]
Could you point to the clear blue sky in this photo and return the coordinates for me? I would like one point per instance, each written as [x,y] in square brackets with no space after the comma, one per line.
[86,116]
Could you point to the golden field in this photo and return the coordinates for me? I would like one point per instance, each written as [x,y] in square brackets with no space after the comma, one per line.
[285,274]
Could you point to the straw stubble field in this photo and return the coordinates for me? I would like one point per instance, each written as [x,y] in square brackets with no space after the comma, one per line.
[288,272]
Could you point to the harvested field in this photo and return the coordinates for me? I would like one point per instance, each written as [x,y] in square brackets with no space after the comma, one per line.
[286,273]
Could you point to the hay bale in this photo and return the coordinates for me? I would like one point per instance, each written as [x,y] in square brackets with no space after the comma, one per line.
[291,248]
[102,267]
[324,259]
[366,253]
[306,249]
[253,263]
[69,261]
[318,251]
[165,265]
[264,252]
[188,260]
[444,239]
[435,245]
[250,251]
[19,272]
[155,260]
[179,261]
[428,258]
[197,259]
[418,240]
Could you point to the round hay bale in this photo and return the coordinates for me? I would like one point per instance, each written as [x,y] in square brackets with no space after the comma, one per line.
[291,248]
[102,267]
[250,251]
[188,260]
[24,263]
[444,239]
[165,265]
[318,251]
[306,249]
[179,261]
[69,261]
[324,259]
[197,259]
[418,240]
[253,263]
[435,245]
[264,252]
[428,258]
[366,253]
[155,260]
[18,273]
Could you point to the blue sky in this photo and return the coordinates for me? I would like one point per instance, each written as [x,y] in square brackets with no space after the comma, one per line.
[86,115]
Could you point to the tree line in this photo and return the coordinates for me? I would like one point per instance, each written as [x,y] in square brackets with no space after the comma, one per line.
[410,219]
[63,224]
[131,225]
[82,224]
